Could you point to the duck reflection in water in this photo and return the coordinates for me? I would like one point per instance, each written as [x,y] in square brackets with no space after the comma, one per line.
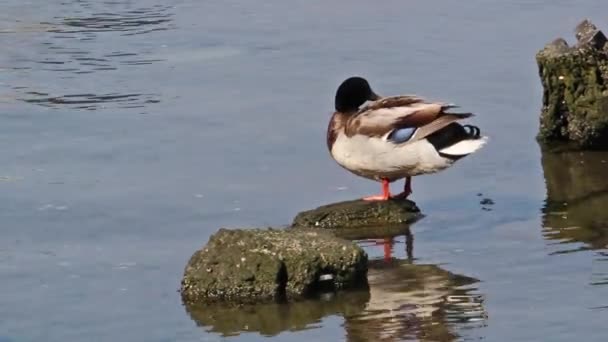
[415,301]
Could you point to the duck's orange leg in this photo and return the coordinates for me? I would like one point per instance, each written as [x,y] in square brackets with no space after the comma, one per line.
[388,249]
[386,193]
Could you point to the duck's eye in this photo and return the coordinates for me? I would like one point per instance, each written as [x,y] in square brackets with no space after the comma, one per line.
[401,135]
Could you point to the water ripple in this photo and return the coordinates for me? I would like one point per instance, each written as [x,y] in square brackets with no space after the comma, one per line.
[133,21]
[92,101]
[79,44]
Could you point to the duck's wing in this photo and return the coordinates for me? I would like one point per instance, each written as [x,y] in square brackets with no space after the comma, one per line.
[402,119]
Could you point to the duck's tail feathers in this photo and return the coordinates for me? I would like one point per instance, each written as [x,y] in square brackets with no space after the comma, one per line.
[464,147]
[445,109]
[446,106]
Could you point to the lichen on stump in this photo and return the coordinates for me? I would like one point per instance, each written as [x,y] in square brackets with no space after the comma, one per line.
[258,265]
[359,214]
[575,82]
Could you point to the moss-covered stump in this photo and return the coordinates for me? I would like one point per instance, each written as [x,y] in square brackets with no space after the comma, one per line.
[257,265]
[575,82]
[359,214]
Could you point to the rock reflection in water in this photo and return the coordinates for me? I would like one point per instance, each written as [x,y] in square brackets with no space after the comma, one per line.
[384,236]
[576,209]
[575,214]
[416,302]
[272,319]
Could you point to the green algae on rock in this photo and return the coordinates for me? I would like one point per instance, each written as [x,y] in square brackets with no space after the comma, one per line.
[575,82]
[257,265]
[359,214]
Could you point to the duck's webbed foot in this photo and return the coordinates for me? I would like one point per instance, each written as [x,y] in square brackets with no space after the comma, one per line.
[377,198]
[386,193]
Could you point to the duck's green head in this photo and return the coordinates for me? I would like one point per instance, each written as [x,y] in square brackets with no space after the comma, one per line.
[352,93]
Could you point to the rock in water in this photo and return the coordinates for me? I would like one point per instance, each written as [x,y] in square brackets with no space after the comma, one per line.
[257,265]
[575,82]
[359,214]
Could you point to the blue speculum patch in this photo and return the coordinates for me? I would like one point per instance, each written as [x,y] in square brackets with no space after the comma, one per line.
[402,135]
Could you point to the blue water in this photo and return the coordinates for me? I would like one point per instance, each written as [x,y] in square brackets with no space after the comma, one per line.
[132,130]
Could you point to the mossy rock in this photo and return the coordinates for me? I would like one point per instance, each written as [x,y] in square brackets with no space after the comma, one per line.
[575,83]
[257,265]
[360,214]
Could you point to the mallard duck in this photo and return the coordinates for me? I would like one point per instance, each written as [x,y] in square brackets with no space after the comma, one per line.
[396,137]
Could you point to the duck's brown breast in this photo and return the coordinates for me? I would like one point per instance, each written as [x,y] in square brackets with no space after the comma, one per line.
[336,123]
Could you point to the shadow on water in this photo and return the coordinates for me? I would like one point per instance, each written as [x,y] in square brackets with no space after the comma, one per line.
[575,214]
[404,301]
[85,39]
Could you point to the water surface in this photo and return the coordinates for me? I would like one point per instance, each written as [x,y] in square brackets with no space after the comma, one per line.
[132,130]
